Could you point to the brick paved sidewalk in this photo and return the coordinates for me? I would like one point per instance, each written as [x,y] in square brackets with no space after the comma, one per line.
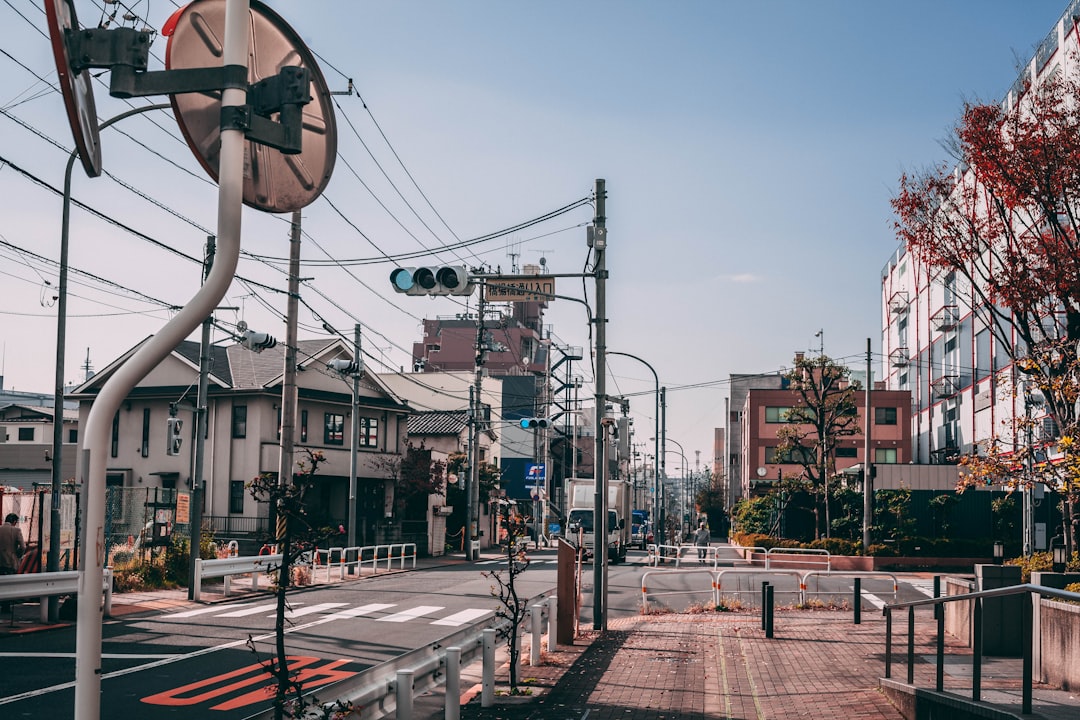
[819,665]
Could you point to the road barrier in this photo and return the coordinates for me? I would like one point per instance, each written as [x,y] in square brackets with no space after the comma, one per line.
[718,590]
[45,585]
[357,556]
[227,567]
[819,552]
[388,689]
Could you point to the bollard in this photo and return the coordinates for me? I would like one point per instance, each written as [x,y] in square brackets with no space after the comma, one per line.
[487,691]
[535,616]
[769,613]
[764,594]
[553,623]
[453,683]
[938,607]
[404,695]
[857,601]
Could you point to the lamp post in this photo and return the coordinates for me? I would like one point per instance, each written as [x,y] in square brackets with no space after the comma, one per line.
[53,560]
[682,496]
[657,494]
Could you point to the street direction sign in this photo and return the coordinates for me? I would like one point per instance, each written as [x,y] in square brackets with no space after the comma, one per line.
[524,288]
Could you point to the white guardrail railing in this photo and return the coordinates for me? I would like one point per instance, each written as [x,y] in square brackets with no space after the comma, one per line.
[389,688]
[255,566]
[347,558]
[44,585]
[717,590]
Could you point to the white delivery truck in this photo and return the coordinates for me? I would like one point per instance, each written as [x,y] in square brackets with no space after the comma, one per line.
[580,494]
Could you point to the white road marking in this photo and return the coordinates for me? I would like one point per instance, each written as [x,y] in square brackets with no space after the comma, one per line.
[411,613]
[359,610]
[300,612]
[460,618]
[200,611]
[250,611]
[873,600]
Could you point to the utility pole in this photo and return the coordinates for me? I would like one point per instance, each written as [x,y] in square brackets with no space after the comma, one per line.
[661,516]
[600,530]
[201,421]
[476,405]
[288,388]
[868,464]
[355,430]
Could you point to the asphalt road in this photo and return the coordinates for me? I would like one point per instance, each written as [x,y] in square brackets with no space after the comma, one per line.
[204,662]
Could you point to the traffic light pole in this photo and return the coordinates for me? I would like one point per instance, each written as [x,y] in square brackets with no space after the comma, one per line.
[200,432]
[600,529]
[476,405]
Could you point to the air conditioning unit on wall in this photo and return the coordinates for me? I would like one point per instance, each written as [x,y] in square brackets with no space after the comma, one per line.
[442,510]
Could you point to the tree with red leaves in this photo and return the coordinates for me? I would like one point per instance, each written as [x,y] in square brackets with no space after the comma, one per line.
[1007,221]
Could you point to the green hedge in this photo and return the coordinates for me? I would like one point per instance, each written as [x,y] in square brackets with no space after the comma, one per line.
[905,547]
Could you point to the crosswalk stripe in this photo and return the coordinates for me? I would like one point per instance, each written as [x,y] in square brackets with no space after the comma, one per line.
[927,590]
[359,610]
[460,618]
[201,611]
[411,613]
[250,611]
[300,612]
[874,600]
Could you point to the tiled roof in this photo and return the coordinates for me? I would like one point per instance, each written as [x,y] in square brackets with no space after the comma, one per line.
[219,358]
[252,370]
[450,422]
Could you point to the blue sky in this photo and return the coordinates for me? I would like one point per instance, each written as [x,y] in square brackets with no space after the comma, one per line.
[750,150]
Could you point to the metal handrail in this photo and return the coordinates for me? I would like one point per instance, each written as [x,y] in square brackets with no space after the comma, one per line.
[976,598]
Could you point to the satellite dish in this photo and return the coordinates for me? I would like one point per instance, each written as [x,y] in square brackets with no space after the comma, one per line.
[75,87]
[761,472]
[273,181]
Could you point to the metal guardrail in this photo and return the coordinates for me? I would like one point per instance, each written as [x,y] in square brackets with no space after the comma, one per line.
[391,686]
[346,558]
[717,585]
[1026,634]
[852,574]
[227,567]
[798,551]
[44,585]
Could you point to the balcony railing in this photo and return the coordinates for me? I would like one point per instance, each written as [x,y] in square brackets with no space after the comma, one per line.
[899,357]
[947,318]
[945,387]
[898,303]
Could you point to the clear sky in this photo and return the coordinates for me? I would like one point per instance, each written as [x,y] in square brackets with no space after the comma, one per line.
[750,150]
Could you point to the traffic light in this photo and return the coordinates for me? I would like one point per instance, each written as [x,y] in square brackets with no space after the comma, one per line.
[448,280]
[173,440]
[257,342]
[343,366]
[532,423]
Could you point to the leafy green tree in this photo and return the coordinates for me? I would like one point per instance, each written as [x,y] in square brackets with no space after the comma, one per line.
[823,411]
[754,515]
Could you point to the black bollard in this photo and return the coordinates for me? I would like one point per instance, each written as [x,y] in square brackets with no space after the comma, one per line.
[769,611]
[858,601]
[764,596]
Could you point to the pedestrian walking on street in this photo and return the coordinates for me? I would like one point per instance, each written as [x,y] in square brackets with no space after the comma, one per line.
[701,539]
[12,546]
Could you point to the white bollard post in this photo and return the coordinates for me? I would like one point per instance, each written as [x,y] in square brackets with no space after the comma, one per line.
[404,695]
[487,691]
[553,623]
[453,683]
[536,613]
[198,580]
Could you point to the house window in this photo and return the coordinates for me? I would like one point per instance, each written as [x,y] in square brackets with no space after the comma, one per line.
[885,456]
[334,430]
[885,416]
[236,497]
[777,414]
[144,447]
[26,434]
[847,452]
[303,426]
[73,436]
[369,432]
[793,456]
[239,421]
[114,448]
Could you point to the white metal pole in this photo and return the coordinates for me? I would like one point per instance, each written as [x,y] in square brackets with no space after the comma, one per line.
[99,421]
